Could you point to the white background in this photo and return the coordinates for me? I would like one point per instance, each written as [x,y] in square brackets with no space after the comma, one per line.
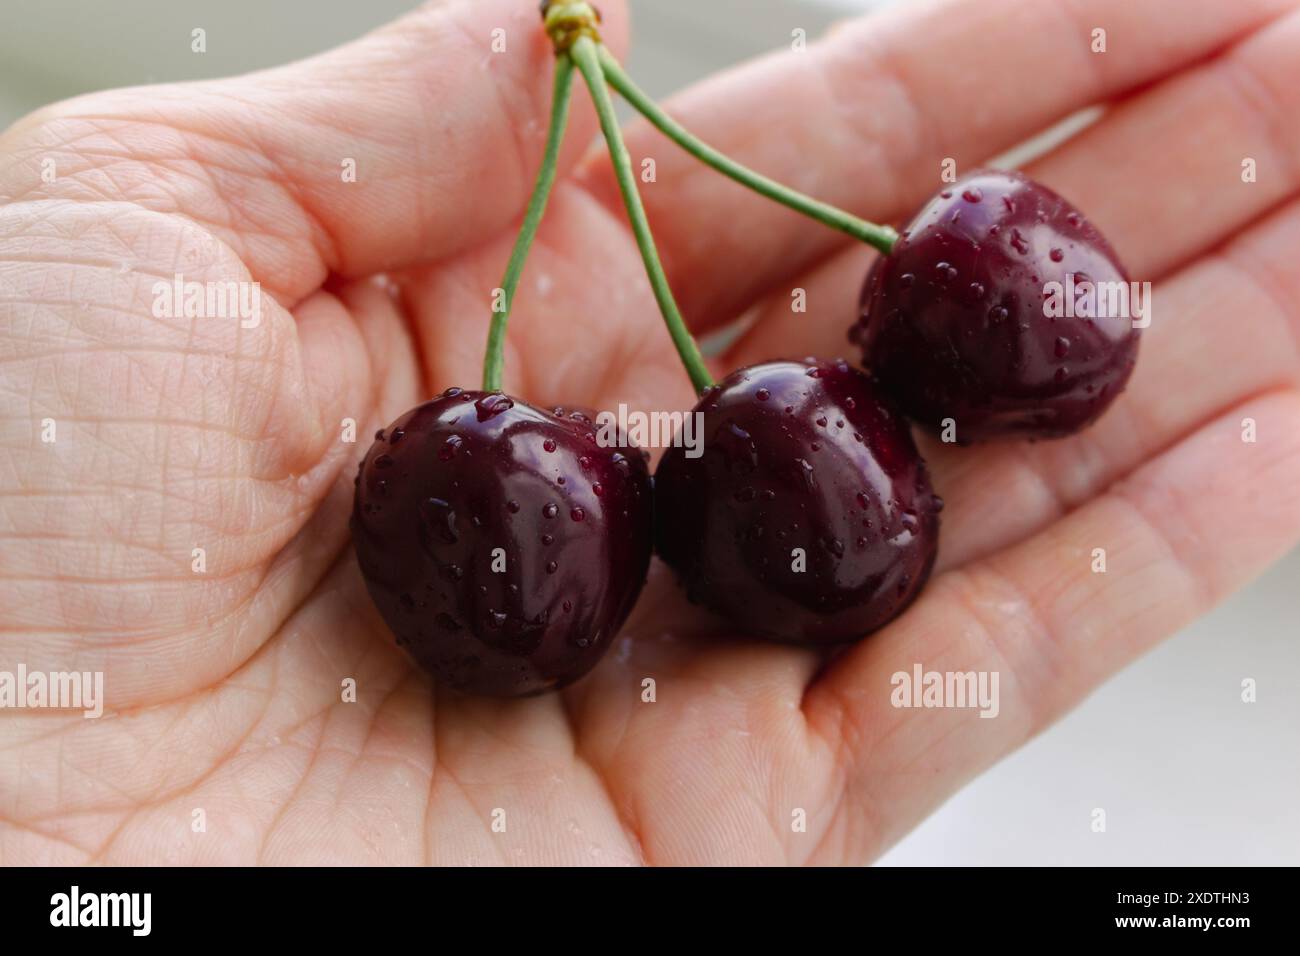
[1186,772]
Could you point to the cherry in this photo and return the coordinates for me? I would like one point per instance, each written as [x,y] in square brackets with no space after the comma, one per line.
[953,321]
[809,516]
[503,545]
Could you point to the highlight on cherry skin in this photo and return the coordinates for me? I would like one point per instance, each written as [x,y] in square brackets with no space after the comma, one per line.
[952,322]
[809,517]
[502,545]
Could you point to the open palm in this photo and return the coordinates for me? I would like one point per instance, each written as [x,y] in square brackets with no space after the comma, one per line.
[226,687]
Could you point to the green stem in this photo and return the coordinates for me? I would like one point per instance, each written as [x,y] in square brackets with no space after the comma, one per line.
[882,237]
[561,96]
[585,56]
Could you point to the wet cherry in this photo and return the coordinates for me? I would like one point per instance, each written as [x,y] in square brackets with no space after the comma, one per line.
[502,544]
[809,516]
[955,325]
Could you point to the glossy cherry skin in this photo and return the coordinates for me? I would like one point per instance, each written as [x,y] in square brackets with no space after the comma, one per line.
[799,458]
[502,544]
[953,324]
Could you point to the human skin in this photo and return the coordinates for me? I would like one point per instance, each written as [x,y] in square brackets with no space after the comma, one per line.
[224,689]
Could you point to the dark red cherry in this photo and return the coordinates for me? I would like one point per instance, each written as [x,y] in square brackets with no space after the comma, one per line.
[808,517]
[503,545]
[955,325]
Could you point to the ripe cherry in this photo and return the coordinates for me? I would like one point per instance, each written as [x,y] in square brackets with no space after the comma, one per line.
[502,544]
[953,321]
[808,517]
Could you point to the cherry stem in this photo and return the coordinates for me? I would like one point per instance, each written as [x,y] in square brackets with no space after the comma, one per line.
[882,237]
[561,96]
[584,52]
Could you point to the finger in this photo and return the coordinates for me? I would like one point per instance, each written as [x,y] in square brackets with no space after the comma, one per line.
[1178,191]
[1179,535]
[864,119]
[441,124]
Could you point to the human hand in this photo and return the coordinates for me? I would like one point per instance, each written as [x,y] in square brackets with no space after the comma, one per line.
[224,688]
